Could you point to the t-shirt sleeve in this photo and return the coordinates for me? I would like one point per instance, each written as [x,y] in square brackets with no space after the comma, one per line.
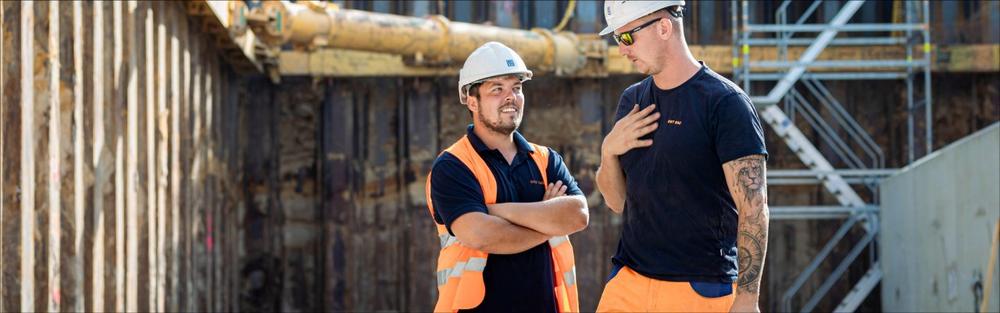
[454,191]
[557,171]
[738,132]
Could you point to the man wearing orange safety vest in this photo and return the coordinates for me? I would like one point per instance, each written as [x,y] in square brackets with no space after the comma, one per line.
[685,166]
[503,206]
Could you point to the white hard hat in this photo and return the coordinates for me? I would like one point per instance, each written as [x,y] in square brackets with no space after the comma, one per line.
[490,60]
[617,13]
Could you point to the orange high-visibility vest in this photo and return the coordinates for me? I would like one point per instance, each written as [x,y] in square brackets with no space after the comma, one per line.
[460,268]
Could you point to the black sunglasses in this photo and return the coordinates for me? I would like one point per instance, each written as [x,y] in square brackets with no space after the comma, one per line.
[625,38]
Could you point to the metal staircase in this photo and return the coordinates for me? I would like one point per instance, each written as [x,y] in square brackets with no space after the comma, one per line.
[845,141]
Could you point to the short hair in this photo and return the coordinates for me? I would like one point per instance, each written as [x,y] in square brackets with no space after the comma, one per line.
[473,90]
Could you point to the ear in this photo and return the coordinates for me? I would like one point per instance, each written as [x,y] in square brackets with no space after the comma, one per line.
[472,103]
[665,29]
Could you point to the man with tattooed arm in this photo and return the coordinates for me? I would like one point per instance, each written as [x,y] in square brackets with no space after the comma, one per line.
[685,165]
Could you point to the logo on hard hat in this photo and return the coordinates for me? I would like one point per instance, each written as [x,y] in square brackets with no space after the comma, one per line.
[510,62]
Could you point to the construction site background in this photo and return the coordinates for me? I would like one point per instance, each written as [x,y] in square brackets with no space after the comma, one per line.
[147,165]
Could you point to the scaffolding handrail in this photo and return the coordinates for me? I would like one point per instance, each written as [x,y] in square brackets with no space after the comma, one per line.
[812,28]
[847,122]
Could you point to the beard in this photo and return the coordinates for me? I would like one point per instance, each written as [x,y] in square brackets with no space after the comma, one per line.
[498,125]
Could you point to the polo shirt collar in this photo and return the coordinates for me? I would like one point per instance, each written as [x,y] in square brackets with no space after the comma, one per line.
[521,143]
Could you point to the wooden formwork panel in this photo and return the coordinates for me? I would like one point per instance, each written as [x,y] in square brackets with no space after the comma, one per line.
[99,106]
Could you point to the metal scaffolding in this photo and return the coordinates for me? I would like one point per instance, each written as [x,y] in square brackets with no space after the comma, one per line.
[847,143]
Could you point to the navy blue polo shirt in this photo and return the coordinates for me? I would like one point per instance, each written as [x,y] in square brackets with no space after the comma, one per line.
[521,282]
[680,219]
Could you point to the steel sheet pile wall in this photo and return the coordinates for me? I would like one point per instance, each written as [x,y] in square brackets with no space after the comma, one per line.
[335,176]
[119,158]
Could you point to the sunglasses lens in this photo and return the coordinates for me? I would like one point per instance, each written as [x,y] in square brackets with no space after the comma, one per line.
[626,39]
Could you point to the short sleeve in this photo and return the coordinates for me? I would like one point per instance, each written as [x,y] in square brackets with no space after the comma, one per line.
[738,132]
[454,190]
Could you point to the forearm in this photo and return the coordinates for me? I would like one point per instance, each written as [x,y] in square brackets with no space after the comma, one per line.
[496,235]
[748,185]
[751,245]
[554,217]
[611,182]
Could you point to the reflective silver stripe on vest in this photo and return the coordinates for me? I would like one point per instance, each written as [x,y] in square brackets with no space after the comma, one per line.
[476,264]
[442,277]
[473,265]
[570,276]
[456,270]
[447,240]
[556,241]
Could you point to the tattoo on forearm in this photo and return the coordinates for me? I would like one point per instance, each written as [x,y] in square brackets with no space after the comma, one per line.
[749,190]
[751,260]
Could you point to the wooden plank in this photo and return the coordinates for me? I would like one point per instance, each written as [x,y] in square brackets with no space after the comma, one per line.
[187,189]
[27,157]
[101,161]
[149,158]
[235,208]
[196,194]
[119,91]
[223,178]
[221,204]
[54,163]
[3,121]
[173,303]
[62,293]
[208,177]
[218,184]
[132,164]
[76,259]
[10,123]
[235,154]
[161,167]
[211,181]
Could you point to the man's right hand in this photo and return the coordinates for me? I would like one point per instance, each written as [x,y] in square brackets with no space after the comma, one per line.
[625,135]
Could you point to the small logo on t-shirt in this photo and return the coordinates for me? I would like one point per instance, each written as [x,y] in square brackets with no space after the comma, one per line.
[674,122]
[536,182]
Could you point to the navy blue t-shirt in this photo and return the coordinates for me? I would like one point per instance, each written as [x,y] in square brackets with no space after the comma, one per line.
[521,282]
[680,219]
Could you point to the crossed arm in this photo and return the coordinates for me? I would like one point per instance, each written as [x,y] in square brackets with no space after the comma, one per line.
[514,227]
[746,178]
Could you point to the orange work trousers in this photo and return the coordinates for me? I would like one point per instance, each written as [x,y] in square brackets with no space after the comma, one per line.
[629,291]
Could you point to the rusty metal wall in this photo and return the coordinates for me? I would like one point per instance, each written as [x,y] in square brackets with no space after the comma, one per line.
[119,159]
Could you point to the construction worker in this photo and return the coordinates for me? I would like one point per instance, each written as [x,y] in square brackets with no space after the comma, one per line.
[684,163]
[503,206]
